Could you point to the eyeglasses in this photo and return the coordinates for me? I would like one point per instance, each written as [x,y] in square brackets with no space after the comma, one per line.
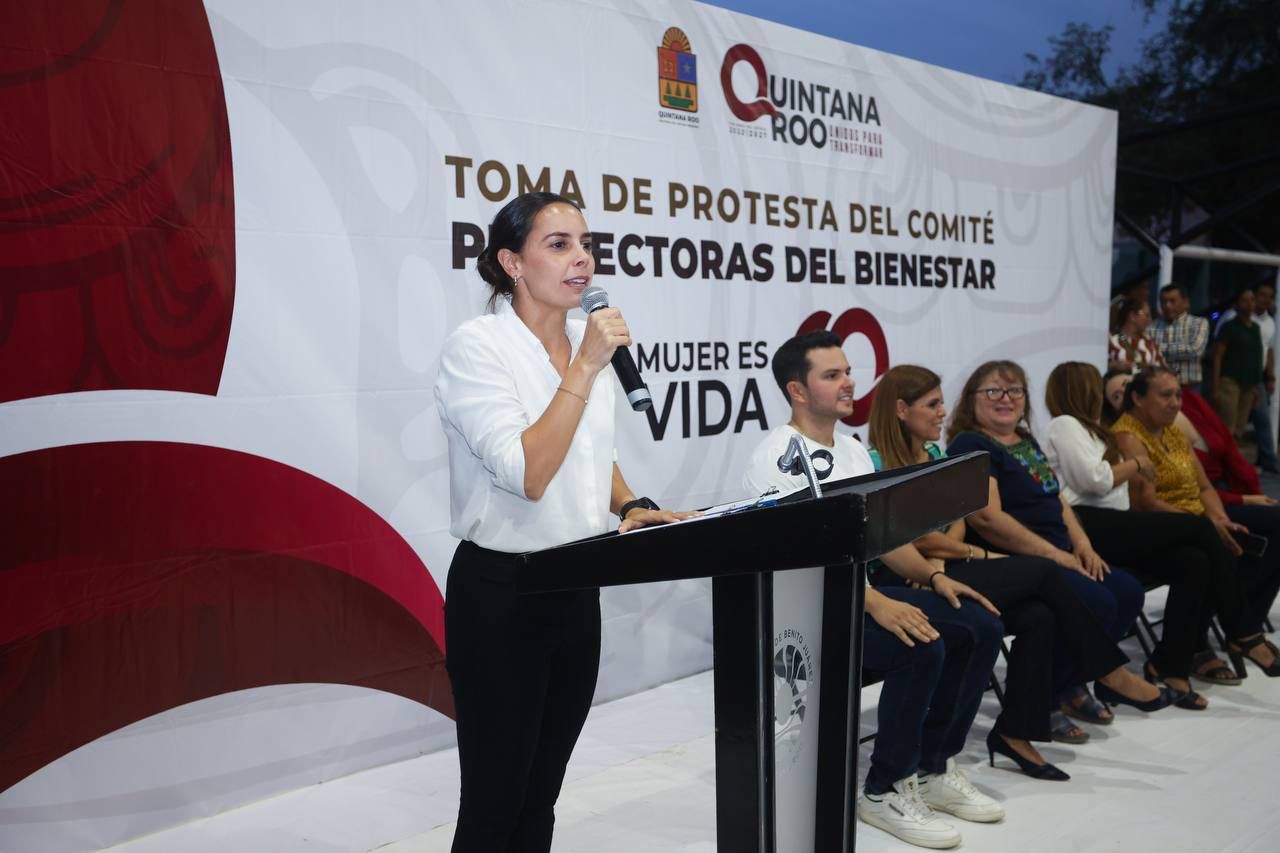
[1013,392]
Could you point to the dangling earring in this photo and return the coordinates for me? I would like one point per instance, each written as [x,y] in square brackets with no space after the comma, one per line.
[515,282]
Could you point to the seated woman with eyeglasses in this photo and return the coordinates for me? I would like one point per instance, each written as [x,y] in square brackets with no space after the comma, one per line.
[1028,515]
[1037,602]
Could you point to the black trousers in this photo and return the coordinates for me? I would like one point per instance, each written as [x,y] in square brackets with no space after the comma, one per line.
[524,671]
[1184,551]
[1038,607]
[1260,576]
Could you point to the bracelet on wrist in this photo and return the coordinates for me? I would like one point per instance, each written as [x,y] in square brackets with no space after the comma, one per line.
[934,575]
[572,394]
[638,503]
[969,559]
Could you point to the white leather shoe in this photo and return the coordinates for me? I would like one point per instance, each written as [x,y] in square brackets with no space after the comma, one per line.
[901,813]
[953,793]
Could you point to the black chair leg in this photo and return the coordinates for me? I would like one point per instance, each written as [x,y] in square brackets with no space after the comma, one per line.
[995,687]
[1146,634]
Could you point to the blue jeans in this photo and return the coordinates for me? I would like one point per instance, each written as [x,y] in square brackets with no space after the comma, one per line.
[1114,602]
[1260,417]
[931,691]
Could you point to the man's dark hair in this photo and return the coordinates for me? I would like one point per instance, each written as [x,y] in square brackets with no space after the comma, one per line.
[791,361]
[1177,287]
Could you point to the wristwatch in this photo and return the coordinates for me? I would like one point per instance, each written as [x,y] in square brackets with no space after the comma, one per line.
[638,503]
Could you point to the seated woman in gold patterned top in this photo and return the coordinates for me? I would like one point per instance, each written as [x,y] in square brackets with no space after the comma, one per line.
[1145,431]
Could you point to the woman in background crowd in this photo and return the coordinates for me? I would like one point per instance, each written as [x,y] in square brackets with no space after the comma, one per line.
[1129,347]
[1113,385]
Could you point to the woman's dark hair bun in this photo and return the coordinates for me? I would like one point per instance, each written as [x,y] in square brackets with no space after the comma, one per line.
[490,270]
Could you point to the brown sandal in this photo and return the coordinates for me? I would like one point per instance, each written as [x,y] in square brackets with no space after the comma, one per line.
[1211,669]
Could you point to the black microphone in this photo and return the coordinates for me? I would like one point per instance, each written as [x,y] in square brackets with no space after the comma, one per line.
[593,299]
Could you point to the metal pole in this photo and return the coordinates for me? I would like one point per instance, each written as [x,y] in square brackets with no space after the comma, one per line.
[1275,339]
[1166,266]
[1210,253]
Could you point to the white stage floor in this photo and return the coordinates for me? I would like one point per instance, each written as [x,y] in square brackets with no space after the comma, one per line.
[642,779]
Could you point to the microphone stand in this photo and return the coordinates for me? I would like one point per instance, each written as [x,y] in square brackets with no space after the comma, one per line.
[796,460]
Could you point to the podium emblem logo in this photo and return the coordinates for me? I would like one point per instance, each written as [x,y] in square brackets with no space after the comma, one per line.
[677,72]
[793,676]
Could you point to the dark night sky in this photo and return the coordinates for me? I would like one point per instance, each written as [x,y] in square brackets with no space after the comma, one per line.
[983,37]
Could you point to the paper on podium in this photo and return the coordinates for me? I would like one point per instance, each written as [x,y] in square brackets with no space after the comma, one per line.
[767,499]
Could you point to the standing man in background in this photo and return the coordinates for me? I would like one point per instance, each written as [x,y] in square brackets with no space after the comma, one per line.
[1260,416]
[1182,336]
[1237,365]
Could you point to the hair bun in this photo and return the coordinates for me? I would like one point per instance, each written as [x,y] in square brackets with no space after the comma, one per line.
[491,271]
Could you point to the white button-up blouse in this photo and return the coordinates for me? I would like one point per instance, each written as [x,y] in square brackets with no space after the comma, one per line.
[495,380]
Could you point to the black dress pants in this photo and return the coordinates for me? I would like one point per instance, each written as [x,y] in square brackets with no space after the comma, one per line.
[523,670]
[1038,606]
[1260,576]
[1184,551]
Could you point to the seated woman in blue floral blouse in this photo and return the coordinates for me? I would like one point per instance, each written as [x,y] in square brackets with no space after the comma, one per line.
[1027,513]
[1037,599]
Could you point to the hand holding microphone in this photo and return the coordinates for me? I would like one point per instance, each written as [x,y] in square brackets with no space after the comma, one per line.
[606,330]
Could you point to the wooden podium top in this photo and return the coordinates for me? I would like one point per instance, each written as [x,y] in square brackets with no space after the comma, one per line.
[855,520]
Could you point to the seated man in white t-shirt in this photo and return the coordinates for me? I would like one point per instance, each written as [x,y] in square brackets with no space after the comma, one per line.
[934,650]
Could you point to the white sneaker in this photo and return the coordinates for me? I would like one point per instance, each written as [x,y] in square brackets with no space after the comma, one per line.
[900,812]
[952,793]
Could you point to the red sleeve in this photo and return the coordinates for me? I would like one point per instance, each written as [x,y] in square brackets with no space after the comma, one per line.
[1226,462]
[1229,498]
[1239,474]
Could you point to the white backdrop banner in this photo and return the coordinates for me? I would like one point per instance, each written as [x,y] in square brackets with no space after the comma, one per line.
[744,181]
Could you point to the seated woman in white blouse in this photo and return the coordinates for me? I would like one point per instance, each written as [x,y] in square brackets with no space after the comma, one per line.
[527,407]
[1159,547]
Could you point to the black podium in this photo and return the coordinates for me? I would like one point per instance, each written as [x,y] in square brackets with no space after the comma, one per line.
[854,521]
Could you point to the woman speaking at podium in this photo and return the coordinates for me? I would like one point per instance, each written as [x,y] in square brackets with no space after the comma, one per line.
[527,407]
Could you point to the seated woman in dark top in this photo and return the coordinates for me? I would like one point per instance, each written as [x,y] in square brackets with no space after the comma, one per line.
[1027,513]
[1037,602]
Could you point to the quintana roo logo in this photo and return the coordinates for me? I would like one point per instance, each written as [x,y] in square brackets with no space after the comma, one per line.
[855,321]
[793,677]
[677,72]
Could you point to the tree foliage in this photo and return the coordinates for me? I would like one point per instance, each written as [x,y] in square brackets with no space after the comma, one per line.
[1214,59]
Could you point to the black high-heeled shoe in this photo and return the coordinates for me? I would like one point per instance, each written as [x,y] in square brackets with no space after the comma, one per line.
[1115,697]
[1238,650]
[1188,699]
[997,743]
